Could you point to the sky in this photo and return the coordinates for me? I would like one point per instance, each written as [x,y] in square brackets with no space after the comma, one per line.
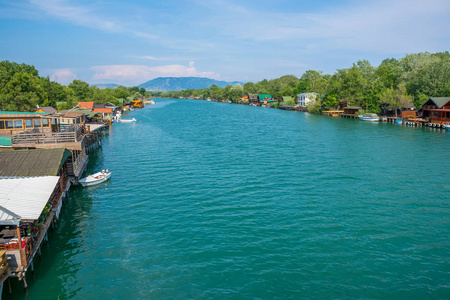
[131,42]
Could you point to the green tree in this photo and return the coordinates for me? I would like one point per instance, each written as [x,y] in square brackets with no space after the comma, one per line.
[395,98]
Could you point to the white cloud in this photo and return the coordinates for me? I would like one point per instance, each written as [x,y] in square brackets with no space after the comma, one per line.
[137,74]
[87,16]
[63,76]
[384,26]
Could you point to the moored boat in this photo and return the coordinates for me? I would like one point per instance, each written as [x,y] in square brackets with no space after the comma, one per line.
[369,117]
[126,121]
[95,178]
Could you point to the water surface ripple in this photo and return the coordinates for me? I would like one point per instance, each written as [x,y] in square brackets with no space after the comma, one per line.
[215,201]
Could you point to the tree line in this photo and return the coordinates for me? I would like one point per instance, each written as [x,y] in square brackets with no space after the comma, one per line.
[394,83]
[22,89]
[413,78]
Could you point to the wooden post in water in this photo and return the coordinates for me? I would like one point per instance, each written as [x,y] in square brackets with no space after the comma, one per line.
[23,257]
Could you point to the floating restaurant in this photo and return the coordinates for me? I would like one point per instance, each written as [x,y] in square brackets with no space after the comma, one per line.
[33,184]
[41,154]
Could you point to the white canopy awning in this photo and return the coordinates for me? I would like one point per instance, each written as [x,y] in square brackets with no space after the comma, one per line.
[24,198]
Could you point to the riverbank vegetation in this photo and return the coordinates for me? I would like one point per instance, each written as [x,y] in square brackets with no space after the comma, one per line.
[21,89]
[414,77]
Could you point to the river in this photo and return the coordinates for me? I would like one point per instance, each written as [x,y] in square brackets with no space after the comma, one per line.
[216,201]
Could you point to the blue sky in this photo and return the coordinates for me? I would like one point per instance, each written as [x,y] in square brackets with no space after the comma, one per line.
[130,42]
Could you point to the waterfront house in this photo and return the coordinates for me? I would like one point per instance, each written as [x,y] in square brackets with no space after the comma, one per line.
[13,122]
[253,99]
[407,107]
[263,98]
[436,110]
[105,113]
[86,105]
[46,109]
[351,112]
[32,185]
[305,99]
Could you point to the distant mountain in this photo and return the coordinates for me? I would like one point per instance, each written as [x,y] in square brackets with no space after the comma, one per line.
[106,85]
[162,84]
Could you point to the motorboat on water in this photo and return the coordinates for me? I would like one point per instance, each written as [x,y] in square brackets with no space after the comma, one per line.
[369,117]
[447,126]
[95,178]
[126,121]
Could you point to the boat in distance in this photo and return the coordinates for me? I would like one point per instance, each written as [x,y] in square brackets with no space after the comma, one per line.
[126,121]
[369,117]
[95,178]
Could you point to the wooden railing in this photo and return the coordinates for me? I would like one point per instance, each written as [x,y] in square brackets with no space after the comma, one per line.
[28,137]
[439,119]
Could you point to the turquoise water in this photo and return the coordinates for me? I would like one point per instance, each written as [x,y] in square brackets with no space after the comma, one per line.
[216,201]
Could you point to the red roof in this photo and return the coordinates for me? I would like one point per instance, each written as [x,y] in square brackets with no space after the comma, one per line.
[86,105]
[103,110]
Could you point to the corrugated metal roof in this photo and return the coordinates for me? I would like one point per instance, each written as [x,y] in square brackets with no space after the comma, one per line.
[38,162]
[48,109]
[25,197]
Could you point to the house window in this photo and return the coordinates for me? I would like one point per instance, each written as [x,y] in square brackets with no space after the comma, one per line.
[2,125]
[9,124]
[37,123]
[45,123]
[28,123]
[18,124]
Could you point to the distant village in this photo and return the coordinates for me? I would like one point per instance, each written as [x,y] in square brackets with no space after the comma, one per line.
[42,154]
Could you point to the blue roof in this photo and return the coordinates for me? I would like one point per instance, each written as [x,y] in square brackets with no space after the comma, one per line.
[22,113]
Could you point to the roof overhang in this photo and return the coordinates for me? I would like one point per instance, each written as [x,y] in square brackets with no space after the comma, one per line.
[24,198]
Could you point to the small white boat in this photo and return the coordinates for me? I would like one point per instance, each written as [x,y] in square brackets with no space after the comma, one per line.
[447,126]
[126,121]
[369,117]
[95,178]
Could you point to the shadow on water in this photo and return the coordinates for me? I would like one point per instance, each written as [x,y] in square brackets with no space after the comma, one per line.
[65,241]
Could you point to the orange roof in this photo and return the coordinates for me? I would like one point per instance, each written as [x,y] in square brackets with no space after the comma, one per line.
[103,110]
[86,105]
[245,97]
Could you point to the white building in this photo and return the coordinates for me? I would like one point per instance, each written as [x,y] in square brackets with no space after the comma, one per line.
[304,99]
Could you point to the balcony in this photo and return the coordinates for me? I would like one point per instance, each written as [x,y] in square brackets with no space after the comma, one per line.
[70,137]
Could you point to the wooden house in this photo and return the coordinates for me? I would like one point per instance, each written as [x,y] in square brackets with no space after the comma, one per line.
[408,108]
[351,112]
[105,113]
[13,122]
[436,110]
[253,99]
[46,109]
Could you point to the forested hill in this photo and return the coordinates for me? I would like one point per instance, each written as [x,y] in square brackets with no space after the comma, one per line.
[182,83]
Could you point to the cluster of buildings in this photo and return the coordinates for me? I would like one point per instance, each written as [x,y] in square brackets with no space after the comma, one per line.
[434,112]
[41,154]
[303,100]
